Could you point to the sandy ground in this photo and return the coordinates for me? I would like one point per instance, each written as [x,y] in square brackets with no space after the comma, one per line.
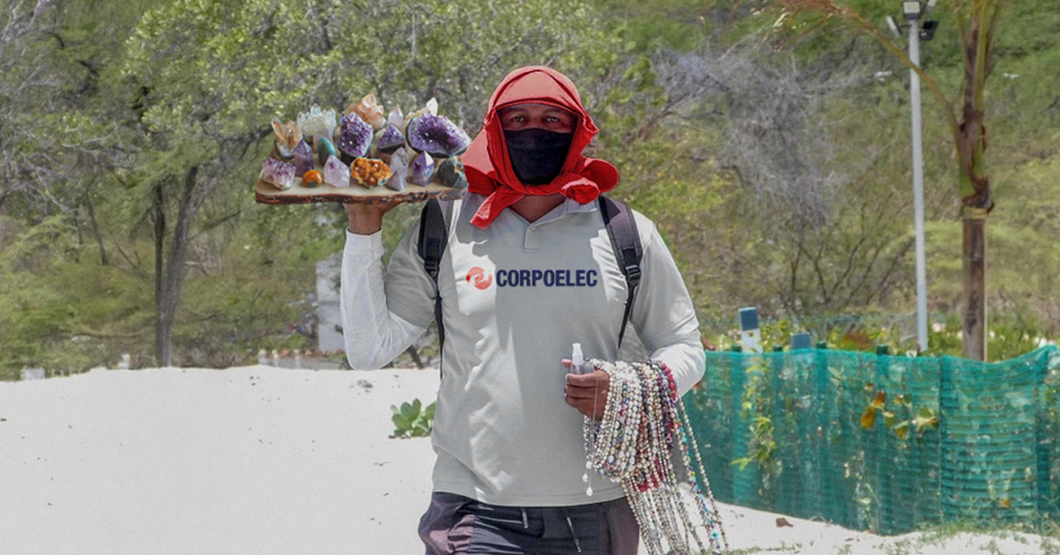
[263,460]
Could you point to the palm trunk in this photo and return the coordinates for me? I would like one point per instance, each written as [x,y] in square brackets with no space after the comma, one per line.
[976,197]
[974,251]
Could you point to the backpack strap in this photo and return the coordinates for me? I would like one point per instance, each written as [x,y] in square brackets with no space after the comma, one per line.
[434,236]
[625,241]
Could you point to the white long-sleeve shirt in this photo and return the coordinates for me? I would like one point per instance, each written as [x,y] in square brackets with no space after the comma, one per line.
[516,296]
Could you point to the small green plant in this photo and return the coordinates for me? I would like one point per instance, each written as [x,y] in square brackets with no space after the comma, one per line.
[412,419]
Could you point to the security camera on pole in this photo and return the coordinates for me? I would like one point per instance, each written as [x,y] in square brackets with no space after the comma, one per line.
[913,11]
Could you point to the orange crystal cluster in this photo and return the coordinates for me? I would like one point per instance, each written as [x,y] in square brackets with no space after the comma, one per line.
[368,172]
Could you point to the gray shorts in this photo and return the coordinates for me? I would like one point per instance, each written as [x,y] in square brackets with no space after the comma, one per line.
[457,525]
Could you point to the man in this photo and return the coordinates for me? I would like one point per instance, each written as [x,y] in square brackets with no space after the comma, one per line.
[528,271]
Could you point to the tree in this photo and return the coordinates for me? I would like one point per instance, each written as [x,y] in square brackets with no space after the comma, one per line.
[754,166]
[24,28]
[52,56]
[977,23]
[205,78]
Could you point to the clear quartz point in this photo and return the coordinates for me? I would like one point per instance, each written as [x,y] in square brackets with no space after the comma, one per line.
[317,121]
[396,118]
[399,170]
[336,173]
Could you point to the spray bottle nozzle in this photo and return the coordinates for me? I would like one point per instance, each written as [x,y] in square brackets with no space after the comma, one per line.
[577,360]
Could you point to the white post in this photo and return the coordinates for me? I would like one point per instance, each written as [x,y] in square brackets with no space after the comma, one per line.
[750,336]
[918,189]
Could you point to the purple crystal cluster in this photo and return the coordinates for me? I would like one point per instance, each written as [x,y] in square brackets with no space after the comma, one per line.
[419,150]
[422,171]
[355,136]
[303,158]
[390,140]
[278,173]
[437,136]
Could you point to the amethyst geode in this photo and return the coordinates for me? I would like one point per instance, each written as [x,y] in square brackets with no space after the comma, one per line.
[355,136]
[277,173]
[436,135]
[390,140]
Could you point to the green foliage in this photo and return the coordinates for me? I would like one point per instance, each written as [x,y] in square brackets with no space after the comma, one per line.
[141,93]
[249,295]
[1012,335]
[212,75]
[65,315]
[178,108]
[671,24]
[899,416]
[861,259]
[412,419]
[241,63]
[761,443]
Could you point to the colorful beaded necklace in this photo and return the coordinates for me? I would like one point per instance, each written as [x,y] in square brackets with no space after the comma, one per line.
[632,444]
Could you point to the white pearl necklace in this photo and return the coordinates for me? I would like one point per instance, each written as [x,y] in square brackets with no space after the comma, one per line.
[632,443]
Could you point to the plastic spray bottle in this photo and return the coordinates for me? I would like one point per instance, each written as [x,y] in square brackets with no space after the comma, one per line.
[577,360]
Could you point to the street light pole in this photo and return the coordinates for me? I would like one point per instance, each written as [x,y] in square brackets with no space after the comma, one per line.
[913,19]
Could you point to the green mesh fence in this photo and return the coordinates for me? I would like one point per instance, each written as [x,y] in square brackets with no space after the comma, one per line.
[883,443]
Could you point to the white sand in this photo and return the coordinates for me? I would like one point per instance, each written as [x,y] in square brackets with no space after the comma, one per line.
[262,460]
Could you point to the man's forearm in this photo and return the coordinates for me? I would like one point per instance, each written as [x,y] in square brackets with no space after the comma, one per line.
[373,335]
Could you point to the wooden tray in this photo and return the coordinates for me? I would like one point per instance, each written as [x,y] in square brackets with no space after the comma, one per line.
[297,194]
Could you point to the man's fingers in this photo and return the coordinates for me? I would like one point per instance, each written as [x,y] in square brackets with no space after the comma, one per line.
[585,406]
[592,379]
[587,392]
[581,392]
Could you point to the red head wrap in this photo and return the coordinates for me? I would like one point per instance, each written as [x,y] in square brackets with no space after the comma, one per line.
[489,171]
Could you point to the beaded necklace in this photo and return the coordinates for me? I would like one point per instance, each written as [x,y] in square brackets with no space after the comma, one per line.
[632,443]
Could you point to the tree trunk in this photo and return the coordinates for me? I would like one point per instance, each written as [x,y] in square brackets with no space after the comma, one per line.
[163,341]
[95,227]
[976,196]
[170,281]
[974,250]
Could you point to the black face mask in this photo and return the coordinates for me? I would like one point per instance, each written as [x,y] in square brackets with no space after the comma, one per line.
[537,155]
